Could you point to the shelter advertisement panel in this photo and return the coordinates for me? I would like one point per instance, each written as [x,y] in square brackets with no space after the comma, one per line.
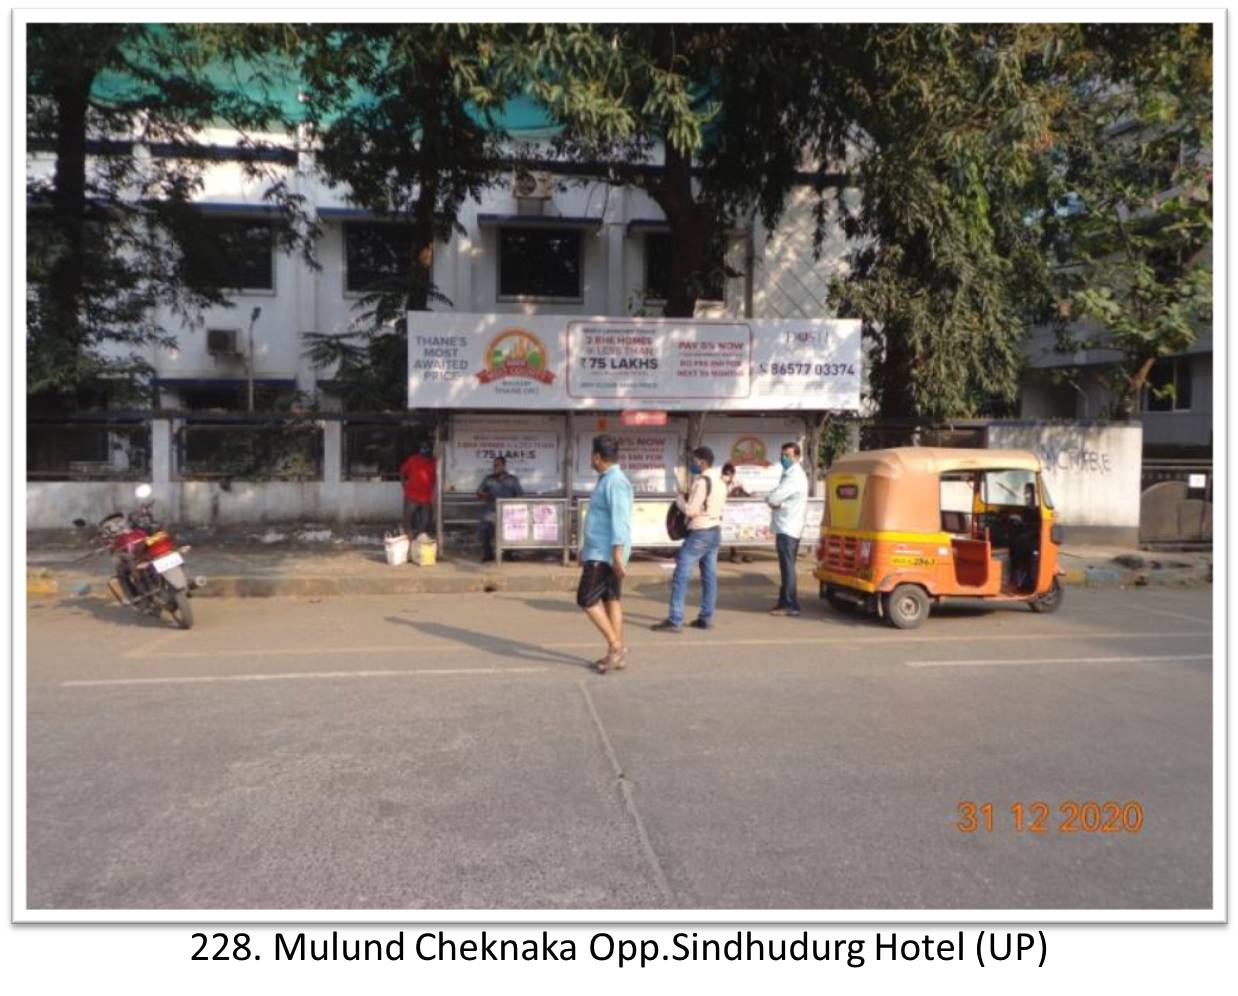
[460,360]
[754,446]
[649,455]
[532,446]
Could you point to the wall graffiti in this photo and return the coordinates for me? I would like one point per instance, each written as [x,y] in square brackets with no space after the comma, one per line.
[1079,459]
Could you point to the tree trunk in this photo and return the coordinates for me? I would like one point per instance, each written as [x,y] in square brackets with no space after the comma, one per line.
[690,232]
[897,394]
[1128,406]
[66,280]
[422,269]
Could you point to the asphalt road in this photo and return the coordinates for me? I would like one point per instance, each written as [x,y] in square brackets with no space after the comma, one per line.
[455,752]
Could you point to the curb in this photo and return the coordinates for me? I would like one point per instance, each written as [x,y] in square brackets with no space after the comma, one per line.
[45,584]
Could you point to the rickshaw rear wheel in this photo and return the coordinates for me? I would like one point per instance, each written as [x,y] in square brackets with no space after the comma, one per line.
[907,606]
[1051,600]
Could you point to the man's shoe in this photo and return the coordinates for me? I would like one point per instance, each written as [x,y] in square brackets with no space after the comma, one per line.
[666,626]
[778,610]
[791,613]
[701,624]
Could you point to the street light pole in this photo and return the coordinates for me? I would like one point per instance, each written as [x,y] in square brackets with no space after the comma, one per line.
[253,317]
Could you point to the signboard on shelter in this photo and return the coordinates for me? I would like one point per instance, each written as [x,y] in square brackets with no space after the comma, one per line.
[532,446]
[462,361]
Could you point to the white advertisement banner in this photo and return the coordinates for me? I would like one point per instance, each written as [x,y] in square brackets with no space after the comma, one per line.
[754,446]
[648,455]
[459,360]
[532,445]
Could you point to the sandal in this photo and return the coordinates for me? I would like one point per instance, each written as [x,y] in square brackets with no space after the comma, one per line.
[617,660]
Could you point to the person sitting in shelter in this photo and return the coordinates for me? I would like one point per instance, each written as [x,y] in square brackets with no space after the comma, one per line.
[499,484]
[734,490]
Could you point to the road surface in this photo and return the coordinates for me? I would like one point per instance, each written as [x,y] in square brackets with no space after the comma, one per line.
[455,752]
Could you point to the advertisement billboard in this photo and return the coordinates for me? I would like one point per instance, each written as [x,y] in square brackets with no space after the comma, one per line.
[560,363]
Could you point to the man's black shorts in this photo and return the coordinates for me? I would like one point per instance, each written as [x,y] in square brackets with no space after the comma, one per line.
[598,582]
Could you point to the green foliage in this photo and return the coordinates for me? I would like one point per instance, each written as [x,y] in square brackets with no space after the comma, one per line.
[672,109]
[1131,234]
[951,126]
[403,116]
[108,235]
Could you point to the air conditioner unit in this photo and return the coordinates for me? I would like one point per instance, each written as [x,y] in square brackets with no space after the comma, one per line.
[533,186]
[223,342]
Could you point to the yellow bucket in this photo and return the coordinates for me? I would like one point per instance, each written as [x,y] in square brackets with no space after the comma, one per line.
[424,554]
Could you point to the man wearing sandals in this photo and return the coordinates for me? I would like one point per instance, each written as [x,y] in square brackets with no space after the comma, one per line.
[606,544]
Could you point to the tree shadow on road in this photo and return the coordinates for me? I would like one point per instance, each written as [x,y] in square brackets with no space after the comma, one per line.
[493,644]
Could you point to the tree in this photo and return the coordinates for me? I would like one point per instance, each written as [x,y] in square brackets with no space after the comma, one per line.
[403,114]
[712,121]
[951,127]
[111,230]
[1131,228]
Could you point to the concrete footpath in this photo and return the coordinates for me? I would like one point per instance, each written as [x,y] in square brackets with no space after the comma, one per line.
[237,571]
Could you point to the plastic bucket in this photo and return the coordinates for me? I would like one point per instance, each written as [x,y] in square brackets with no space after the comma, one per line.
[424,554]
[397,549]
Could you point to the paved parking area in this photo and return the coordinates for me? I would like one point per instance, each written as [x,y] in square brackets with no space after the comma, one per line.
[455,752]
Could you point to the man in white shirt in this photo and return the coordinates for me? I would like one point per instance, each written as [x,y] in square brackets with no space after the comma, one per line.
[790,504]
[703,505]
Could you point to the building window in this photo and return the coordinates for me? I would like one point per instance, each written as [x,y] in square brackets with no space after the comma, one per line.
[1169,386]
[232,254]
[658,255]
[378,256]
[539,262]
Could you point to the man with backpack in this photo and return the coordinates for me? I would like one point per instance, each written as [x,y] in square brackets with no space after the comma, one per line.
[702,506]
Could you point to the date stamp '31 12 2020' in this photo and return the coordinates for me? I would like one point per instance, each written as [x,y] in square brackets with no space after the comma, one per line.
[1037,817]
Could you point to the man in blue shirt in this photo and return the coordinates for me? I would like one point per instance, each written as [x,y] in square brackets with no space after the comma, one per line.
[606,544]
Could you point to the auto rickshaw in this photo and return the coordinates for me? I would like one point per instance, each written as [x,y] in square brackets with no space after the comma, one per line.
[904,528]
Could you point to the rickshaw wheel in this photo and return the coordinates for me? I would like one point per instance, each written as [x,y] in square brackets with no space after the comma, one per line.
[907,606]
[1051,600]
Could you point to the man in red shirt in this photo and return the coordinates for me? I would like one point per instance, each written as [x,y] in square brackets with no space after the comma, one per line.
[418,475]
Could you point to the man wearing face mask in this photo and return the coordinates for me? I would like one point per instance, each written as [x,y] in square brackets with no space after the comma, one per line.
[790,504]
[703,506]
[418,476]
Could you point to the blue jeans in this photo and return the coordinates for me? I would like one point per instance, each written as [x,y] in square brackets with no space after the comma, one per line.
[701,547]
[788,550]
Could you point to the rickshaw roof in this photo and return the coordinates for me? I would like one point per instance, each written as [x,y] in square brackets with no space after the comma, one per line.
[933,460]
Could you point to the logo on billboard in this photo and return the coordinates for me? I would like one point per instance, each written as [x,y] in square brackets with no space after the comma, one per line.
[749,451]
[515,353]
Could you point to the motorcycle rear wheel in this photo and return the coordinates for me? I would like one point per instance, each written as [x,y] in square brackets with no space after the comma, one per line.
[182,613]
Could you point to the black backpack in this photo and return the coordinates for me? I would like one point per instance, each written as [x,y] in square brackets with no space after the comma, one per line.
[677,521]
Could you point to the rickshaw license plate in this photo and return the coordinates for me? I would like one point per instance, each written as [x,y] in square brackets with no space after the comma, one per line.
[167,562]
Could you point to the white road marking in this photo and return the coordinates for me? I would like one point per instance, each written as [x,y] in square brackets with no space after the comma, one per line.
[400,648]
[1008,662]
[1140,609]
[629,801]
[300,676]
[687,643]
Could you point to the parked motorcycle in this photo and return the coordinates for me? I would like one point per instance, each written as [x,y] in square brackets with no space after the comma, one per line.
[150,569]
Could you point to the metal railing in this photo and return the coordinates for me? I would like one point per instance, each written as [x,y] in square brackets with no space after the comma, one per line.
[273,449]
[60,450]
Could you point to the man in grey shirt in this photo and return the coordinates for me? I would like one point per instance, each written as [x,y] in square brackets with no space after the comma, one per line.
[499,484]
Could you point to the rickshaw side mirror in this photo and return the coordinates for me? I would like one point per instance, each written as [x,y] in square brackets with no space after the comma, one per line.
[1056,533]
